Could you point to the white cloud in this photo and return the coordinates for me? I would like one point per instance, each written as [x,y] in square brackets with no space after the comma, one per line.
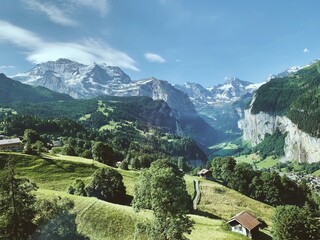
[86,51]
[306,50]
[7,67]
[152,57]
[55,14]
[61,11]
[101,6]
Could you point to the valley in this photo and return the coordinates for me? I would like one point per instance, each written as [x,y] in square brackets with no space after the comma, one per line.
[257,155]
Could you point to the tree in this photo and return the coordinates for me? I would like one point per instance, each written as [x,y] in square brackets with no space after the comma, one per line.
[30,136]
[68,150]
[103,153]
[107,185]
[77,188]
[55,221]
[16,205]
[163,189]
[222,168]
[124,165]
[182,164]
[241,178]
[38,146]
[294,223]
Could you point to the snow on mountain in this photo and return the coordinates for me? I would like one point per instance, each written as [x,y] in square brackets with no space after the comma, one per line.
[87,81]
[227,92]
[290,70]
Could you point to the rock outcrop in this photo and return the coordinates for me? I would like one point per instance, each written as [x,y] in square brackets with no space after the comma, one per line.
[299,146]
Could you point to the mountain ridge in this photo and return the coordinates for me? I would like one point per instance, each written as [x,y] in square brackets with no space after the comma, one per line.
[15,91]
[88,81]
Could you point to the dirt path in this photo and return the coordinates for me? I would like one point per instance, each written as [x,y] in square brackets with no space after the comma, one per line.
[197,194]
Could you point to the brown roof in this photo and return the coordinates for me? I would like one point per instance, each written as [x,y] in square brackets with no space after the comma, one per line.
[246,220]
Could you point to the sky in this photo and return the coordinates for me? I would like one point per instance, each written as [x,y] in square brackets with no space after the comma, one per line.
[202,41]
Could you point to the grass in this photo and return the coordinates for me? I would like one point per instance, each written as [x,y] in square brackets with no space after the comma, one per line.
[104,109]
[269,162]
[316,173]
[110,126]
[58,172]
[101,220]
[85,117]
[253,158]
[221,202]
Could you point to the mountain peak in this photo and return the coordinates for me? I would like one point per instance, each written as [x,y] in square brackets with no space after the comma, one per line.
[64,61]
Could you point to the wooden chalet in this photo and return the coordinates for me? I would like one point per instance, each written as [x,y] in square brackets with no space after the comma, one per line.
[12,144]
[245,223]
[204,173]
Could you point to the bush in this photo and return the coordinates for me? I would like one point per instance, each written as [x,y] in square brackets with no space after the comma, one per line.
[107,185]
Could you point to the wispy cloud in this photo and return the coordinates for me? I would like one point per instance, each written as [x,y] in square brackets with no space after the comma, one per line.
[101,6]
[306,50]
[61,11]
[7,67]
[86,51]
[54,13]
[152,57]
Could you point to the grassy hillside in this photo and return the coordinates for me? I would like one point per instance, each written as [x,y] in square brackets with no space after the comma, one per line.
[260,163]
[101,220]
[221,202]
[14,91]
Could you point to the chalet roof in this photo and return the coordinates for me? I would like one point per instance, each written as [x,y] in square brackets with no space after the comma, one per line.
[246,220]
[9,141]
[203,171]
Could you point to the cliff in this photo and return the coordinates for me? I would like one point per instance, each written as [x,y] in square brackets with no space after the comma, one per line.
[299,146]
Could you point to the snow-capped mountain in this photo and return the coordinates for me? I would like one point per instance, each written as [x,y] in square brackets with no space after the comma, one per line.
[216,104]
[291,70]
[73,78]
[227,92]
[87,81]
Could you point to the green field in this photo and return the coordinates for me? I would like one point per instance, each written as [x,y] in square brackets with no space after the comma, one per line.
[102,220]
[316,173]
[255,159]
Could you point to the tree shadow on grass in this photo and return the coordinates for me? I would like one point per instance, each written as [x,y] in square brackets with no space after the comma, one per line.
[263,236]
[127,200]
[205,214]
[53,162]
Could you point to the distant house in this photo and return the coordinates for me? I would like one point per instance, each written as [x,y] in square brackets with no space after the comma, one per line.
[13,144]
[245,223]
[56,143]
[204,173]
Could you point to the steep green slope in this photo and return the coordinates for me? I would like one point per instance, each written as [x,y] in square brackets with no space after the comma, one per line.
[102,220]
[100,111]
[129,124]
[296,96]
[14,91]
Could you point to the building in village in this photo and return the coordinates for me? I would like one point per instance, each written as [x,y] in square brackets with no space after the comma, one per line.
[12,144]
[245,223]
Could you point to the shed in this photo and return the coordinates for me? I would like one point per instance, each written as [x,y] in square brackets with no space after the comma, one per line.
[245,223]
[204,173]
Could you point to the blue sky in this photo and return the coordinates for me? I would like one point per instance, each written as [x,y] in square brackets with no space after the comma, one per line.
[200,41]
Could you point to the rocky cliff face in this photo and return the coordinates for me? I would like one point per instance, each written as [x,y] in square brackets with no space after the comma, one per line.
[299,145]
